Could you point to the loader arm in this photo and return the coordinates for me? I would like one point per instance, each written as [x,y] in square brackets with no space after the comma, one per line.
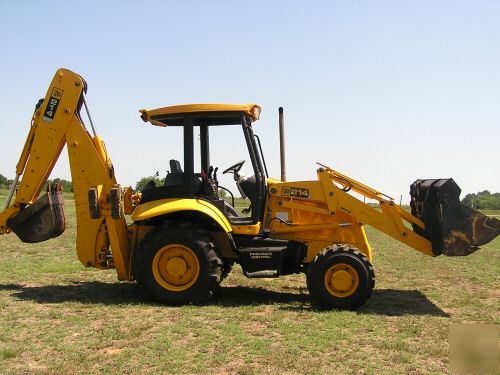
[324,212]
[441,225]
[389,219]
[56,123]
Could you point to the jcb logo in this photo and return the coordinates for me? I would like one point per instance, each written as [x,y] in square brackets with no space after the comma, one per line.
[50,110]
[57,93]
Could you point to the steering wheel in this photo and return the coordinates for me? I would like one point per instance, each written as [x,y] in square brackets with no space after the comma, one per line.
[235,168]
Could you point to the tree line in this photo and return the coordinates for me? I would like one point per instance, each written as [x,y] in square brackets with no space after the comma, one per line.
[67,186]
[483,200]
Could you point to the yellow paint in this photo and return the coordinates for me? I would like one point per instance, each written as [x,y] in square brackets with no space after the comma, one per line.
[248,230]
[251,110]
[271,181]
[330,215]
[136,235]
[341,280]
[128,201]
[175,267]
[166,206]
[90,166]
[304,228]
[4,216]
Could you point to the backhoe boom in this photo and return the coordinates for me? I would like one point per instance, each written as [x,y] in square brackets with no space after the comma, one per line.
[56,123]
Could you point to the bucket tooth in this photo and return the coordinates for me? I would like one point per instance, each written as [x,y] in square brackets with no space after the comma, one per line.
[452,228]
[42,220]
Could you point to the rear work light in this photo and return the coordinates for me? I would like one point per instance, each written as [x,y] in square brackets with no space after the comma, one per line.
[255,111]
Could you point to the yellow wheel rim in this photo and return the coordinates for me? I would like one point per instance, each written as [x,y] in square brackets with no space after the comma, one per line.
[175,267]
[341,280]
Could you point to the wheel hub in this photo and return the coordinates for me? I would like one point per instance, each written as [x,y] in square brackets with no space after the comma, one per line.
[341,280]
[175,267]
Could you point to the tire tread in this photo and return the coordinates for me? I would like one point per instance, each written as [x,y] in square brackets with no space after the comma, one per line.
[202,239]
[322,257]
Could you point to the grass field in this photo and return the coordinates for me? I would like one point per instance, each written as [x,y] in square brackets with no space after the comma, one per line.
[57,317]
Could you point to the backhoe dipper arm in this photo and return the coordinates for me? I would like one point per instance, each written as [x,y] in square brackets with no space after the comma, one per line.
[57,123]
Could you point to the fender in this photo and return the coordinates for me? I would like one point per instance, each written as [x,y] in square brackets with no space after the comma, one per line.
[161,207]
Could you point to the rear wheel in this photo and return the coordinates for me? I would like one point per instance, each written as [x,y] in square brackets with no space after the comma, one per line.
[340,276]
[177,264]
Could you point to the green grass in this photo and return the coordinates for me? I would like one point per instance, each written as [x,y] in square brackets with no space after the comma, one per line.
[58,317]
[494,213]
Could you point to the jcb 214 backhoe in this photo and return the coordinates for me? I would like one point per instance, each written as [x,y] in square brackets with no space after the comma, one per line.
[183,237]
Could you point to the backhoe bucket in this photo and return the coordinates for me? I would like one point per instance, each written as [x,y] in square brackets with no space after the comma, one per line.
[42,220]
[452,228]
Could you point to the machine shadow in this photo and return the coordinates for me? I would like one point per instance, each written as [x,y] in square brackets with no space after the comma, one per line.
[389,302]
[394,302]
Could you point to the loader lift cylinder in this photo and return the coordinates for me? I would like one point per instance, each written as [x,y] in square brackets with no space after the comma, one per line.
[282,144]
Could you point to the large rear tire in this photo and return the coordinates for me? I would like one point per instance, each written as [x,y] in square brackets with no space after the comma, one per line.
[340,276]
[177,264]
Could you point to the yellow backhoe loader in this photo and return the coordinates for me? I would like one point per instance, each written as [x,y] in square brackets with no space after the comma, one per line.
[182,237]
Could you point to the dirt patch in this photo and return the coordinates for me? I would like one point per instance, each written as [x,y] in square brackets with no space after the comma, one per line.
[111,350]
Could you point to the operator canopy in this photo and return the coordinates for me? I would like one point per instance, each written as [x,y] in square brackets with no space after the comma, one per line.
[203,114]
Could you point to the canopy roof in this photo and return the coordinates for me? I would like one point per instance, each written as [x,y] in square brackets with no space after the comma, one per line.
[209,114]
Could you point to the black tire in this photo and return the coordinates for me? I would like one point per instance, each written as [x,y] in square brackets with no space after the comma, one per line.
[226,268]
[340,256]
[198,242]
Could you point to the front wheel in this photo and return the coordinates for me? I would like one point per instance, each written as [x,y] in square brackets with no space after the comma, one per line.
[177,264]
[340,276]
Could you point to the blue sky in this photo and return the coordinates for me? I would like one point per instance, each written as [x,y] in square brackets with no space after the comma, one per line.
[384,91]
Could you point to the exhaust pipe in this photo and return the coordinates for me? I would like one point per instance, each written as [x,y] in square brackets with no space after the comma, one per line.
[282,144]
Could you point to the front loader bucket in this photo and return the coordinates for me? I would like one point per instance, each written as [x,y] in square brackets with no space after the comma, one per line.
[452,228]
[42,220]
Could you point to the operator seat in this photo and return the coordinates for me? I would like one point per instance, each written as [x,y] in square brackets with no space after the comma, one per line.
[176,175]
[175,166]
[173,187]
